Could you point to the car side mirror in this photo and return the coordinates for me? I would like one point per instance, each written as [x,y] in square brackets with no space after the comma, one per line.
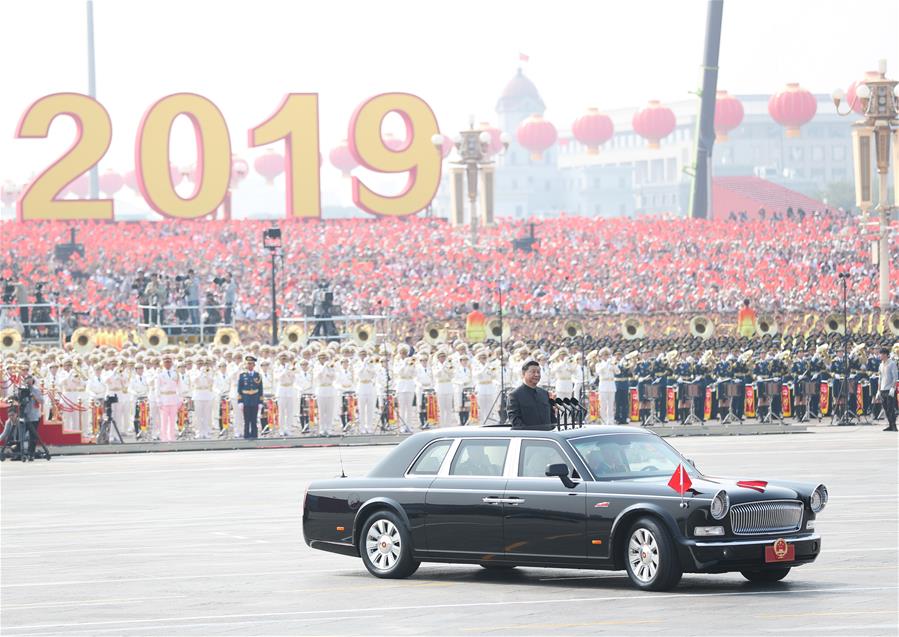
[560,471]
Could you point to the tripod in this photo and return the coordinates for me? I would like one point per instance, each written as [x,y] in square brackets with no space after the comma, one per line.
[108,422]
[770,387]
[731,392]
[19,436]
[655,390]
[692,394]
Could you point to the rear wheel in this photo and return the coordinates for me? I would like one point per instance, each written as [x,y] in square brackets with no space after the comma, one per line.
[386,546]
[766,576]
[650,556]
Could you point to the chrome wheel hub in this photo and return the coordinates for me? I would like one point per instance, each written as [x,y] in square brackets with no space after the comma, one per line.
[383,544]
[643,555]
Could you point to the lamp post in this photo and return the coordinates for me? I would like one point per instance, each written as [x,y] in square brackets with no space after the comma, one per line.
[473,147]
[878,99]
[271,241]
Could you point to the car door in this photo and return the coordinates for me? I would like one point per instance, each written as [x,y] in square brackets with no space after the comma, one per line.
[463,507]
[543,520]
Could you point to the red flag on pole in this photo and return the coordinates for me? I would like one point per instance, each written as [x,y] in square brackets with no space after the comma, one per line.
[522,57]
[680,480]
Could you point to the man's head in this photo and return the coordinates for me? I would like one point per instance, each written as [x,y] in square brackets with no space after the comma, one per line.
[530,373]
[884,353]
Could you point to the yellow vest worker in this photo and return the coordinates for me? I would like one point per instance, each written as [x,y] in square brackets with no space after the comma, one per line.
[475,325]
[746,320]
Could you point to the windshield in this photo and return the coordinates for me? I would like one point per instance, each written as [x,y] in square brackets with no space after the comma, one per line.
[623,456]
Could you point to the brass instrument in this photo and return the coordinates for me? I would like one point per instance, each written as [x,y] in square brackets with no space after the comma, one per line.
[10,340]
[226,337]
[572,329]
[632,329]
[293,335]
[496,328]
[767,325]
[435,334]
[833,324]
[156,338]
[707,359]
[82,341]
[893,323]
[364,335]
[702,326]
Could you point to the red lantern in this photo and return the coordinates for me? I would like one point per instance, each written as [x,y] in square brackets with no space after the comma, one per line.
[654,123]
[593,130]
[239,170]
[342,159]
[536,135]
[111,182]
[269,165]
[9,193]
[80,187]
[447,146]
[728,114]
[856,104]
[792,108]
[496,138]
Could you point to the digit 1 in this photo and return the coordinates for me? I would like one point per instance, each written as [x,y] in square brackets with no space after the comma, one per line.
[213,156]
[419,157]
[295,121]
[94,135]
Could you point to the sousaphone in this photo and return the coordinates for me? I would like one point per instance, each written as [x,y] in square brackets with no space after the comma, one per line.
[82,341]
[156,338]
[893,319]
[767,325]
[833,324]
[10,340]
[702,326]
[435,334]
[572,329]
[632,329]
[364,335]
[293,335]
[497,328]
[226,337]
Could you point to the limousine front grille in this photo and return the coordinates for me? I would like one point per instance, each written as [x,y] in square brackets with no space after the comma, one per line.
[766,517]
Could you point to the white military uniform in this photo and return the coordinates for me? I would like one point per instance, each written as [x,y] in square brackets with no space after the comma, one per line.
[367,394]
[75,415]
[563,373]
[203,395]
[288,399]
[117,385]
[605,372]
[487,392]
[234,372]
[168,394]
[462,379]
[139,388]
[325,397]
[405,394]
[443,385]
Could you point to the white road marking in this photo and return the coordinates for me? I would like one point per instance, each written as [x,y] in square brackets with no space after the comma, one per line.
[635,597]
[99,602]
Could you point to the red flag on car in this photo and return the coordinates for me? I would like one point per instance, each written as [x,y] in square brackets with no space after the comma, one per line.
[680,480]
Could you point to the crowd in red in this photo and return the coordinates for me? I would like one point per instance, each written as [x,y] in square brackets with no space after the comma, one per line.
[420,268]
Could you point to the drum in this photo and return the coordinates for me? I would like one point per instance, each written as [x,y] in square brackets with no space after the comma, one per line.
[467,394]
[651,391]
[142,416]
[768,388]
[429,406]
[224,413]
[305,406]
[732,389]
[269,419]
[808,388]
[349,406]
[689,390]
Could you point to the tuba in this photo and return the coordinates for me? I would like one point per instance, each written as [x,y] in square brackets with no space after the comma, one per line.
[632,329]
[293,335]
[497,329]
[833,324]
[893,321]
[364,335]
[702,327]
[10,340]
[156,338]
[226,337]
[434,333]
[767,325]
[572,329]
[82,341]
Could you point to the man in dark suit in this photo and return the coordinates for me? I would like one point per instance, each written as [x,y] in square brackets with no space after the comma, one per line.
[529,406]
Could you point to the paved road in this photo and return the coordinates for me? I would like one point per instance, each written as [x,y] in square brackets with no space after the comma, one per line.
[210,543]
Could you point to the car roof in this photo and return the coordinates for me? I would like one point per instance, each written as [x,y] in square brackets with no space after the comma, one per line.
[509,432]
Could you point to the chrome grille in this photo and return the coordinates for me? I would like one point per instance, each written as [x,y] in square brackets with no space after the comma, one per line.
[780,516]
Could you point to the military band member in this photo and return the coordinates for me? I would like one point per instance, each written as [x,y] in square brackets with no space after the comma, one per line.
[444,372]
[326,396]
[366,393]
[287,395]
[462,381]
[169,390]
[249,394]
[75,416]
[203,395]
[404,374]
[139,388]
[606,370]
[117,385]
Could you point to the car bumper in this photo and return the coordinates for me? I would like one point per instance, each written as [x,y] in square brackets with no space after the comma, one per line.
[718,556]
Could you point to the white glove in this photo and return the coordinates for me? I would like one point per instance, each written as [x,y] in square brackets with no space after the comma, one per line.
[893,392]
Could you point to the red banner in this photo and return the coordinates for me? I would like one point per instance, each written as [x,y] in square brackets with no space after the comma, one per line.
[143,415]
[182,417]
[859,399]
[633,404]
[749,402]
[593,405]
[313,411]
[671,403]
[824,400]
[431,407]
[473,412]
[225,414]
[97,414]
[786,404]
[707,407]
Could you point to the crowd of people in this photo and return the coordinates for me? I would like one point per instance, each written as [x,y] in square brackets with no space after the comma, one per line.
[421,269]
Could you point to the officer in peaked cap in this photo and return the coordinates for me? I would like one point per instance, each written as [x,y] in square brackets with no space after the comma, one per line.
[249,394]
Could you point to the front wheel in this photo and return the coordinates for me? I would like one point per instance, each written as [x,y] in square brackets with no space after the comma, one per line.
[766,576]
[386,547]
[650,556]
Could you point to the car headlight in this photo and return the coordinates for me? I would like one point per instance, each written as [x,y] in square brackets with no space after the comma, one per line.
[720,504]
[819,498]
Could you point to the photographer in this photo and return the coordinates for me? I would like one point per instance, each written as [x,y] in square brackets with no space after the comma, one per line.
[213,315]
[31,402]
[230,298]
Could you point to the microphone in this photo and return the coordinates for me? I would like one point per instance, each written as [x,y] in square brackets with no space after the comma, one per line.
[564,412]
[581,409]
[575,411]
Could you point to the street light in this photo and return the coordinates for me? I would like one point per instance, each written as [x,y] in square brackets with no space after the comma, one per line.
[473,147]
[878,99]
[271,241]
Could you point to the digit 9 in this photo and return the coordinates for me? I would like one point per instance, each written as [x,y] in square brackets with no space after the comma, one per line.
[419,157]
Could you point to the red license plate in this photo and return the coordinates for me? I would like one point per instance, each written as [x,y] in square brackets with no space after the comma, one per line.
[780,551]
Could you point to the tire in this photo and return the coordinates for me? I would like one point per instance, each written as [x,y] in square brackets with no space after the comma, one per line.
[766,576]
[386,546]
[650,556]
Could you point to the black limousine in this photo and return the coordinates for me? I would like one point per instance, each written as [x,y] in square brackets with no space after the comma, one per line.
[594,497]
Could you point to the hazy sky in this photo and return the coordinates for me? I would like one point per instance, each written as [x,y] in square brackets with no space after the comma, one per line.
[457,55]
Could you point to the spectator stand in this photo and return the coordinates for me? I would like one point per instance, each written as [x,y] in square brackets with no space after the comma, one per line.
[36,323]
[362,329]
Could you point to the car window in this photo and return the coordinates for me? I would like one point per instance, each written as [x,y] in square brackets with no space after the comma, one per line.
[536,454]
[428,463]
[628,456]
[480,458]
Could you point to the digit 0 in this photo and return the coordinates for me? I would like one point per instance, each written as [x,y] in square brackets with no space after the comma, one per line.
[213,156]
[419,158]
[94,135]
[296,121]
